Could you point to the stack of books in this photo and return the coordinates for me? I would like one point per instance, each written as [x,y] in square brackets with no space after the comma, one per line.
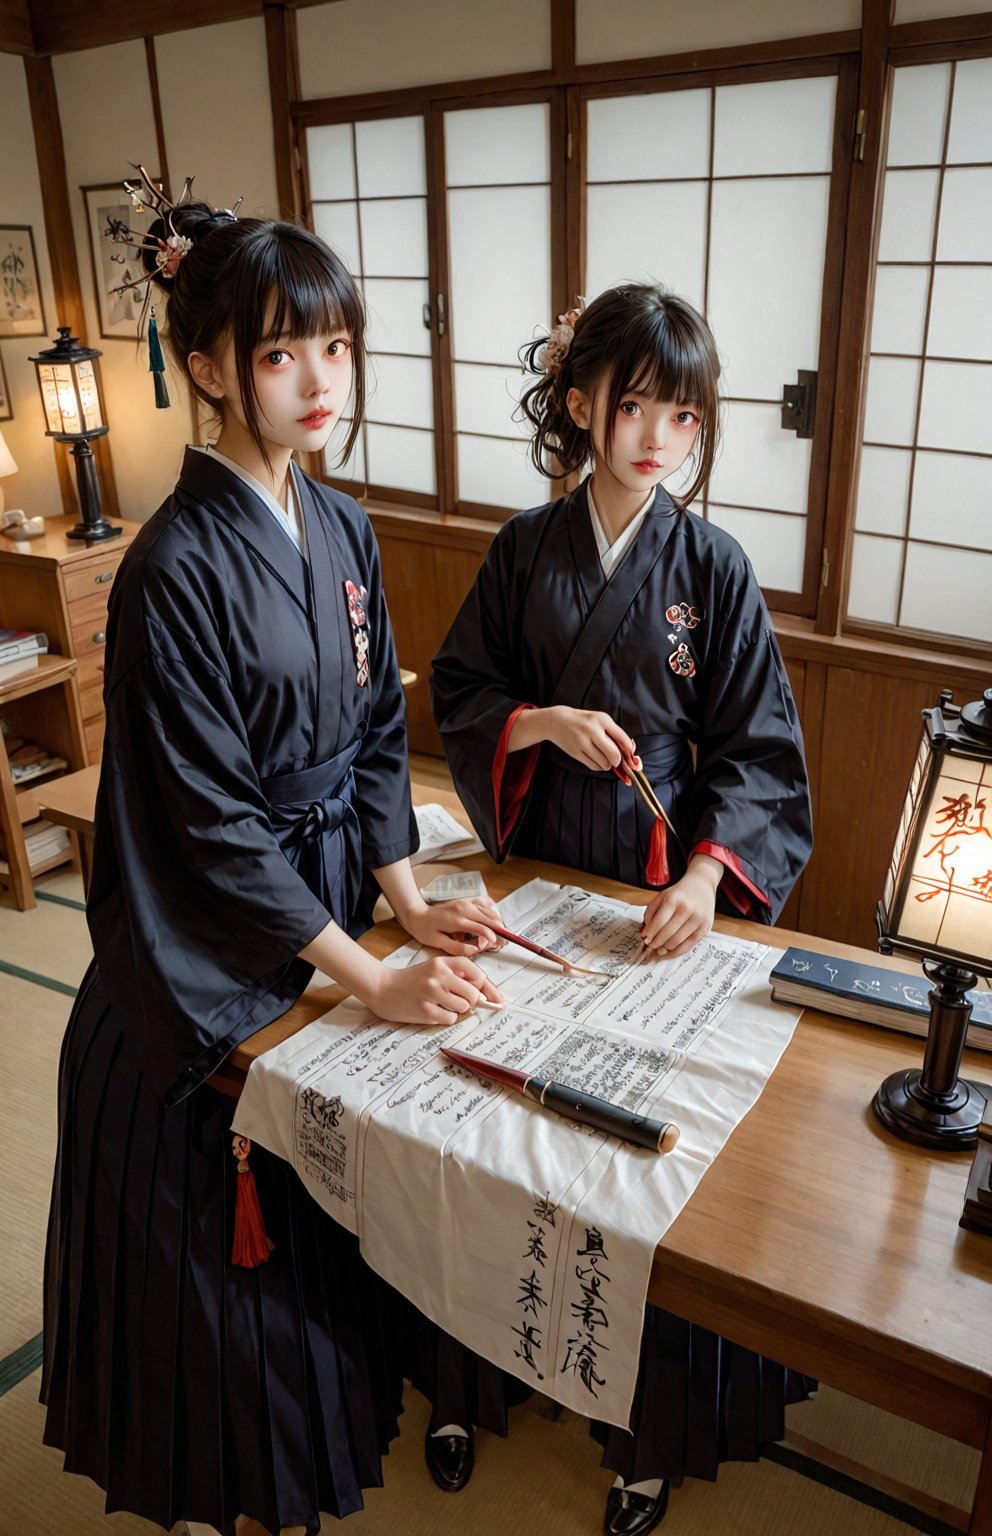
[20,649]
[870,994]
[29,761]
[43,844]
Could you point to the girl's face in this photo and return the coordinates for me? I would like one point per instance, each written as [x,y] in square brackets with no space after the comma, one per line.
[651,438]
[302,387]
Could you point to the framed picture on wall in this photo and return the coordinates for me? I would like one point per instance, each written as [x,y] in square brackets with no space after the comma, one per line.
[6,409]
[21,312]
[115,263]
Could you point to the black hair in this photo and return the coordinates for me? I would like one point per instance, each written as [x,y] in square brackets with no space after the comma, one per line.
[255,280]
[638,338]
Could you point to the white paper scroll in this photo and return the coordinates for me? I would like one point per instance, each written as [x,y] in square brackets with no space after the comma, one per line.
[524,1235]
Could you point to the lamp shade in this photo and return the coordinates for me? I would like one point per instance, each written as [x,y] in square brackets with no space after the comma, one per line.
[70,393]
[7,465]
[938,892]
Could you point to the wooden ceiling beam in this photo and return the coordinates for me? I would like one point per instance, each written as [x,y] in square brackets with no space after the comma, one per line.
[15,27]
[65,26]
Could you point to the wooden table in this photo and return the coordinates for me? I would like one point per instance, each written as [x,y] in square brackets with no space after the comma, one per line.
[816,1237]
[71,802]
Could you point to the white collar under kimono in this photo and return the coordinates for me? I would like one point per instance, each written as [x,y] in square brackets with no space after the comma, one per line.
[290,521]
[610,555]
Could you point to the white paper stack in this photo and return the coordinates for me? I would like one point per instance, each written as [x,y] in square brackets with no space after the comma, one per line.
[441,837]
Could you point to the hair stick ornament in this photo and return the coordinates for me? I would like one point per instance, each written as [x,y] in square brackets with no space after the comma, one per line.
[156,363]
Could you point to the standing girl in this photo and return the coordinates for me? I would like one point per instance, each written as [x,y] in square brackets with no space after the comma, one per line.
[609,626]
[254,781]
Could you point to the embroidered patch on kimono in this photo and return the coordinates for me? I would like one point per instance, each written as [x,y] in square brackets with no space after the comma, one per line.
[355,597]
[682,663]
[683,616]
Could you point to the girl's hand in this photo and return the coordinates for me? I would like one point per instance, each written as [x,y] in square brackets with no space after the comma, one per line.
[434,992]
[677,918]
[456,927]
[590,736]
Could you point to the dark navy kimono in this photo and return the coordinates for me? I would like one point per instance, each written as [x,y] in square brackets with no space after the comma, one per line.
[250,780]
[678,648]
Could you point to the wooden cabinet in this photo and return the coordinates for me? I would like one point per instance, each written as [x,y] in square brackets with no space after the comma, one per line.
[39,704]
[61,586]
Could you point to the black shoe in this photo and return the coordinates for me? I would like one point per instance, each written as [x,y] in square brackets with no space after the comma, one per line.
[450,1459]
[631,1514]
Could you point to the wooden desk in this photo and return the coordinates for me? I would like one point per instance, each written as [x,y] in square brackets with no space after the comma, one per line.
[71,802]
[815,1238]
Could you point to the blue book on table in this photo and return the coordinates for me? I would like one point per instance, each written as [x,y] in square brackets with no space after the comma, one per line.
[870,993]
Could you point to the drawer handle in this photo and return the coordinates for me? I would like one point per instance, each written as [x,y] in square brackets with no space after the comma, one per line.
[99,638]
[103,576]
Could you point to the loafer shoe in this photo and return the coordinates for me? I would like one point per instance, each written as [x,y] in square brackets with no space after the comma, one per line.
[450,1459]
[631,1514]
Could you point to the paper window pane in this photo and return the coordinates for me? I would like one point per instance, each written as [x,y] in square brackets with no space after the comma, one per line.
[390,153]
[883,491]
[952,500]
[759,464]
[961,313]
[401,459]
[899,309]
[486,398]
[401,392]
[331,161]
[947,591]
[353,467]
[774,544]
[394,238]
[971,117]
[876,571]
[647,233]
[909,206]
[767,244]
[919,108]
[498,474]
[395,312]
[647,138]
[497,146]
[337,223]
[957,407]
[500,271]
[774,126]
[965,216]
[890,411]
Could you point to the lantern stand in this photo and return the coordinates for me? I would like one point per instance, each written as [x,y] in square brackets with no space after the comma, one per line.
[933,1106]
[70,397]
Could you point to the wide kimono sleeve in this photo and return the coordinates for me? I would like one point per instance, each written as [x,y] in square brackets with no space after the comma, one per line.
[750,802]
[382,773]
[477,694]
[196,914]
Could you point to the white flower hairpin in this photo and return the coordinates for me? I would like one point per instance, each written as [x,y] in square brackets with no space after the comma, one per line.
[556,348]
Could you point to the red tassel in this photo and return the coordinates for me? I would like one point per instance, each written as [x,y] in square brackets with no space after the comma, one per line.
[252,1244]
[656,872]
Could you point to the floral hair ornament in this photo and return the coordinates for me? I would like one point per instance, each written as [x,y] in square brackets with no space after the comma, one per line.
[556,348]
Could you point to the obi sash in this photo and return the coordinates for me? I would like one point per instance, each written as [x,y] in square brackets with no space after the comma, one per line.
[313,816]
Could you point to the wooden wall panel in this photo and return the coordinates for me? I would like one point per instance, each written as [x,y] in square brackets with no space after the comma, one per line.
[15,27]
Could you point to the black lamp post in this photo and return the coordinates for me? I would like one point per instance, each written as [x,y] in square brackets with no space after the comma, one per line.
[70,397]
[938,906]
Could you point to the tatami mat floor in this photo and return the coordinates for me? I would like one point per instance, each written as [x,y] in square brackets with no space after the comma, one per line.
[544,1478]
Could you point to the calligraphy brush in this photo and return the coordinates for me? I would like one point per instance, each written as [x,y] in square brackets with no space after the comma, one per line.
[546,954]
[600,1114]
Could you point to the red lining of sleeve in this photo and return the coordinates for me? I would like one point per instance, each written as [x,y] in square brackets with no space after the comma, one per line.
[742,899]
[511,782]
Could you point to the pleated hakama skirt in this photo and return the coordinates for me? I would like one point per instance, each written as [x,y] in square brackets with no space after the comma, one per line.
[185,1387]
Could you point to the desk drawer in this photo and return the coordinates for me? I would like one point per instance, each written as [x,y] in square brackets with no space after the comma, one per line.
[89,676]
[92,577]
[93,731]
[88,623]
[91,699]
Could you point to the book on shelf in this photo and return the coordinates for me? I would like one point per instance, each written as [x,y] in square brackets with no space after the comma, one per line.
[43,841]
[18,664]
[21,642]
[870,994]
[23,773]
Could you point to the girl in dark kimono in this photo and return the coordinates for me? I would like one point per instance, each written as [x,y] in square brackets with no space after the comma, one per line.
[254,782]
[613,627]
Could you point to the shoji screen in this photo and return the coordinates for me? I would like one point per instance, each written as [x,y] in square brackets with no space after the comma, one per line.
[722,195]
[922,556]
[497,177]
[368,188]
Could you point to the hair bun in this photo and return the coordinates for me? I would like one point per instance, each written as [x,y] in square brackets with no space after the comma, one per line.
[170,239]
